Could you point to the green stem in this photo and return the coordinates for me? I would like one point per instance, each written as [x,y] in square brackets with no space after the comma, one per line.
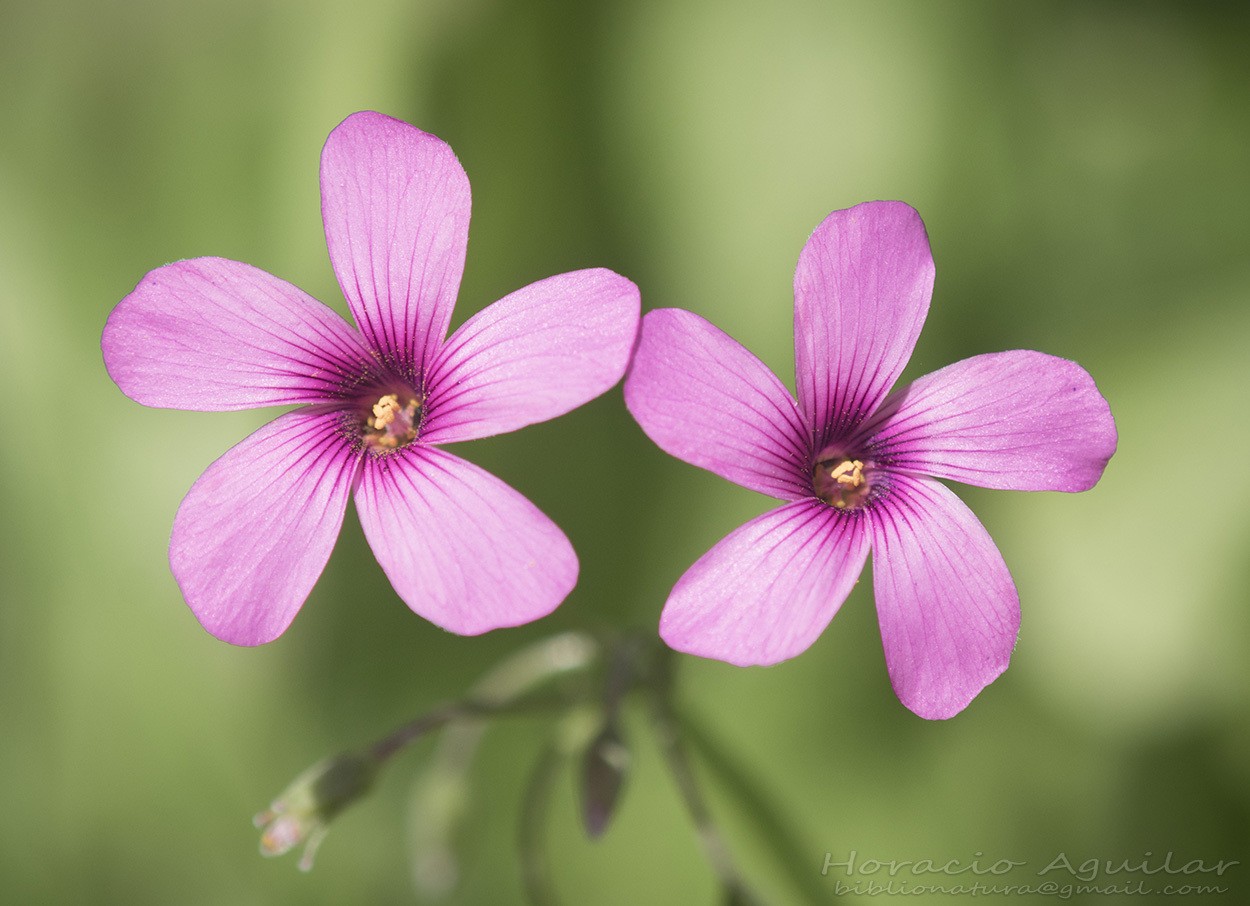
[443,715]
[532,833]
[671,738]
[440,796]
[783,844]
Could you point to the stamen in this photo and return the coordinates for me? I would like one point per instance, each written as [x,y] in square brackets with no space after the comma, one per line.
[393,424]
[849,473]
[841,482]
[384,411]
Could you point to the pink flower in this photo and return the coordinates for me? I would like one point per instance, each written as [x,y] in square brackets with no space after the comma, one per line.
[461,548]
[854,465]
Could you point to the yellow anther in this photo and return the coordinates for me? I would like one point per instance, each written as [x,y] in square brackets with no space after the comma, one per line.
[384,411]
[392,424]
[849,473]
[842,482]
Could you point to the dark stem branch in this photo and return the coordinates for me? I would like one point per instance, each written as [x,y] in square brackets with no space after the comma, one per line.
[532,833]
[787,850]
[668,732]
[453,711]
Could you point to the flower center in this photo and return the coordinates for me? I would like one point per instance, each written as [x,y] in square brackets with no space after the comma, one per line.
[392,424]
[841,482]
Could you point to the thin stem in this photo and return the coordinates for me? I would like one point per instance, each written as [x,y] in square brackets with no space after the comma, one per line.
[441,794]
[410,732]
[783,844]
[668,734]
[532,832]
[500,691]
[623,668]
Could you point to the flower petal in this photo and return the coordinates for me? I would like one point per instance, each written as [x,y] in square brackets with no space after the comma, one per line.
[396,207]
[463,549]
[212,335]
[768,590]
[255,531]
[704,398]
[948,610]
[861,293]
[533,355]
[1019,420]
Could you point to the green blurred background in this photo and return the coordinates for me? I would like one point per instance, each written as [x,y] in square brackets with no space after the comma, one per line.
[1083,172]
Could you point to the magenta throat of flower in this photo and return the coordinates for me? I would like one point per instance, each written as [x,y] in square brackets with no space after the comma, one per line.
[385,419]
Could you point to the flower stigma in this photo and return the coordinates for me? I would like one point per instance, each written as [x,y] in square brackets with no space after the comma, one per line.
[842,482]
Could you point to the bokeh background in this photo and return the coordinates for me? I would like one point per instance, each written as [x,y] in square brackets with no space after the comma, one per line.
[1084,175]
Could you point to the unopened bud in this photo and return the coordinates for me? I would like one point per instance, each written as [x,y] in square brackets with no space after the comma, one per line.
[303,811]
[604,767]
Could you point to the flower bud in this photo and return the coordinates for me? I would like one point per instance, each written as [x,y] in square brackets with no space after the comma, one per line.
[604,767]
[303,811]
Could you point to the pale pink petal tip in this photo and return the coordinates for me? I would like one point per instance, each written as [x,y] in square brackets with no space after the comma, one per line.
[861,293]
[702,397]
[766,592]
[534,355]
[461,548]
[211,334]
[396,203]
[948,609]
[1018,420]
[255,531]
